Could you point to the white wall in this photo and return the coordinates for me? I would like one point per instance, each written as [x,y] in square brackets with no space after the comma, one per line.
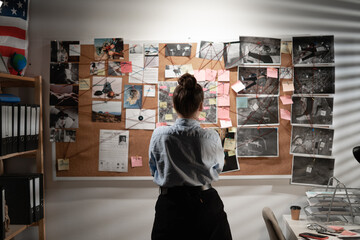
[124,210]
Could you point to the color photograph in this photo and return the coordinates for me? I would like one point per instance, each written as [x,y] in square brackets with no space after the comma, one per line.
[106,87]
[64,95]
[106,111]
[65,51]
[108,48]
[64,117]
[133,96]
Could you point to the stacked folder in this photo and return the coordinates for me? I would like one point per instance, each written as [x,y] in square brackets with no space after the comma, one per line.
[19,127]
[24,197]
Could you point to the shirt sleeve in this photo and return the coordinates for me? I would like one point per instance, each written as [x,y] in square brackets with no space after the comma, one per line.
[152,161]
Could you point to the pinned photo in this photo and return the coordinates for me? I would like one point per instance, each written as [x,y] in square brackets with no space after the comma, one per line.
[65,51]
[133,96]
[64,95]
[314,80]
[108,48]
[97,68]
[114,68]
[231,54]
[109,87]
[257,81]
[210,50]
[62,135]
[64,73]
[61,117]
[178,49]
[106,111]
[259,50]
[140,119]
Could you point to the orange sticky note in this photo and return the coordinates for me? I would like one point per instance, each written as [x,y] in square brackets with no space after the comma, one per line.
[126,67]
[285,114]
[210,75]
[223,75]
[136,161]
[199,75]
[272,72]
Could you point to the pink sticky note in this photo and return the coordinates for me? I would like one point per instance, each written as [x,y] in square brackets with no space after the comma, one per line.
[223,75]
[136,161]
[225,123]
[285,114]
[210,75]
[224,100]
[199,75]
[223,88]
[163,87]
[272,72]
[160,124]
[206,107]
[286,99]
[224,112]
[126,67]
[237,87]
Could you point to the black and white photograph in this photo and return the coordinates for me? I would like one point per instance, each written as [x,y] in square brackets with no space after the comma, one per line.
[65,51]
[312,171]
[260,50]
[166,109]
[312,141]
[257,142]
[209,112]
[106,111]
[114,68]
[312,110]
[313,50]
[97,68]
[62,135]
[106,87]
[314,80]
[260,111]
[64,117]
[64,95]
[231,54]
[172,71]
[136,48]
[257,81]
[210,50]
[64,73]
[178,50]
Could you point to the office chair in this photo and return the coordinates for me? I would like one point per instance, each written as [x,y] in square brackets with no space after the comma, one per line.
[272,225]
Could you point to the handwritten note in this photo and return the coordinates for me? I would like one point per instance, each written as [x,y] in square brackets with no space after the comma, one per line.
[63,164]
[84,84]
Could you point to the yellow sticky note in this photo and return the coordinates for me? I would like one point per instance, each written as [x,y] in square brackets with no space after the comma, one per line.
[212,101]
[174,111]
[163,104]
[63,164]
[233,129]
[84,84]
[172,89]
[168,117]
[231,153]
[229,144]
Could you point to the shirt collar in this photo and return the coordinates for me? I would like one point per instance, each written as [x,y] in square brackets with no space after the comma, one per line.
[187,122]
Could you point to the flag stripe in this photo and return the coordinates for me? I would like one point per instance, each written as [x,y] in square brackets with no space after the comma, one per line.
[13,22]
[8,51]
[13,32]
[13,42]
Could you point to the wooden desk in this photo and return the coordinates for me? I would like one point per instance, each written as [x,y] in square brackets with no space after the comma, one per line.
[294,227]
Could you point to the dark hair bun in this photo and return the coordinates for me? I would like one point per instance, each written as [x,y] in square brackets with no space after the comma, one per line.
[187,81]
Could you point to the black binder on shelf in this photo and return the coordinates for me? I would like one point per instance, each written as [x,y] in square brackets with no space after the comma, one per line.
[32,127]
[2,213]
[19,196]
[3,128]
[38,196]
[37,127]
[21,127]
[28,127]
[10,124]
[15,118]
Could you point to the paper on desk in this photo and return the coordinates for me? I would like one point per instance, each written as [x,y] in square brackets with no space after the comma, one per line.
[286,99]
[113,150]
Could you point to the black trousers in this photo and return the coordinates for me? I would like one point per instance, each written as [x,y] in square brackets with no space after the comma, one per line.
[184,214]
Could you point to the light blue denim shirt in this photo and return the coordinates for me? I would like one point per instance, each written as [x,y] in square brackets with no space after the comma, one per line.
[185,154]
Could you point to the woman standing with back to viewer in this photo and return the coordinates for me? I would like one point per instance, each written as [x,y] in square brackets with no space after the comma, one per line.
[184,160]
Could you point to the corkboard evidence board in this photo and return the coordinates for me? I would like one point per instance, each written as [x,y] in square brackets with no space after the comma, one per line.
[83,154]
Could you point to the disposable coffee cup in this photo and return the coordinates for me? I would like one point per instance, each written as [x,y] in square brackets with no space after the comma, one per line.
[295,212]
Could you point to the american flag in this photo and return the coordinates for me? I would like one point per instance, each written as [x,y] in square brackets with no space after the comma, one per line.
[13,28]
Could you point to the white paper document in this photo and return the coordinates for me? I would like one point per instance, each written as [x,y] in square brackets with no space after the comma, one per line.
[140,119]
[113,150]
